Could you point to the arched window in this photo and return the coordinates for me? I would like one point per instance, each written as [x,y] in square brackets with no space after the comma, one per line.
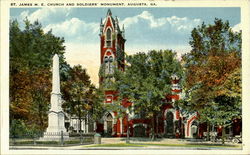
[109,68]
[106,61]
[108,38]
[109,117]
[108,34]
[109,121]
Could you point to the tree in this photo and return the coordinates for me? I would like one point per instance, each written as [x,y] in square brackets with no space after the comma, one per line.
[96,99]
[81,98]
[212,70]
[31,52]
[146,81]
[75,93]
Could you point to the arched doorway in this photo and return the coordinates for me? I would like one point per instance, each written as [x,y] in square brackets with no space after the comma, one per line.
[169,128]
[194,129]
[109,120]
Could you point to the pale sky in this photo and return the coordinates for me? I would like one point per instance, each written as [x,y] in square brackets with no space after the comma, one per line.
[145,29]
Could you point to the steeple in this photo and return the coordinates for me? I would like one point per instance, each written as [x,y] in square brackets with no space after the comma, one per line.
[109,13]
[116,24]
[101,22]
[123,32]
[101,27]
[112,42]
[116,19]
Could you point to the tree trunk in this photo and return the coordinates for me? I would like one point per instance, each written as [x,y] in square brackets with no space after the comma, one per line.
[223,135]
[80,121]
[153,129]
[208,130]
[80,124]
[157,125]
[40,118]
[86,126]
[127,140]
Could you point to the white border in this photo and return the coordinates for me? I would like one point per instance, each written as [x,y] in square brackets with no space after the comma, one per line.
[244,4]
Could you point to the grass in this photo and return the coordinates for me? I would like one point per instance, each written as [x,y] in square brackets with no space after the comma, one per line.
[116,145]
[31,142]
[37,142]
[192,145]
[167,145]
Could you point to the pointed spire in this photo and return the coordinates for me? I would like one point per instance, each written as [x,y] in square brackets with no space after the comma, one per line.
[101,22]
[109,13]
[123,31]
[116,23]
[101,27]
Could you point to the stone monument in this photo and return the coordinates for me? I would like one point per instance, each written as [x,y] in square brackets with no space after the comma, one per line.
[56,115]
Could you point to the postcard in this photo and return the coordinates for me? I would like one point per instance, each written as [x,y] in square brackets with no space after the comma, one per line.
[127,77]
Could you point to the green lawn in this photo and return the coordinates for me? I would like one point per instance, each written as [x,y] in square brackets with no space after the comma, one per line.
[192,145]
[31,142]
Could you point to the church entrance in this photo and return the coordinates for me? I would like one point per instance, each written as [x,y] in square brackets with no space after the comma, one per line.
[194,129]
[169,128]
[139,131]
[109,122]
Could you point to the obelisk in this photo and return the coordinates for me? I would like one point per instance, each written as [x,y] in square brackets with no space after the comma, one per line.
[56,114]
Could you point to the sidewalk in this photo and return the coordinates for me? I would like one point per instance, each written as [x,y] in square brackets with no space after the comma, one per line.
[158,141]
[143,140]
[140,144]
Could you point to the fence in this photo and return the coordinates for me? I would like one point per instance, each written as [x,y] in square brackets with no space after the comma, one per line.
[52,139]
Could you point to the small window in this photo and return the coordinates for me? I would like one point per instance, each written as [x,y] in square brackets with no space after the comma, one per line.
[108,38]
[108,43]
[110,59]
[106,59]
[109,99]
[108,34]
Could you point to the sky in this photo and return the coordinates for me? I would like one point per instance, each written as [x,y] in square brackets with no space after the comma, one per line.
[145,29]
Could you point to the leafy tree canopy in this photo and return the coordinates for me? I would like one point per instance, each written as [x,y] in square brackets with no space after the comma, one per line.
[213,73]
[147,80]
[31,52]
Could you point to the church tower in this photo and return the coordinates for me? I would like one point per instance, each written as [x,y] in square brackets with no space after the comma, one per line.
[112,40]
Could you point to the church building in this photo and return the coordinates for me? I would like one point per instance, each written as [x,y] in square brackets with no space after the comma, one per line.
[170,122]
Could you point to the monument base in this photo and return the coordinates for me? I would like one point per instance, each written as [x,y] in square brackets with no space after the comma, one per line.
[55,136]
